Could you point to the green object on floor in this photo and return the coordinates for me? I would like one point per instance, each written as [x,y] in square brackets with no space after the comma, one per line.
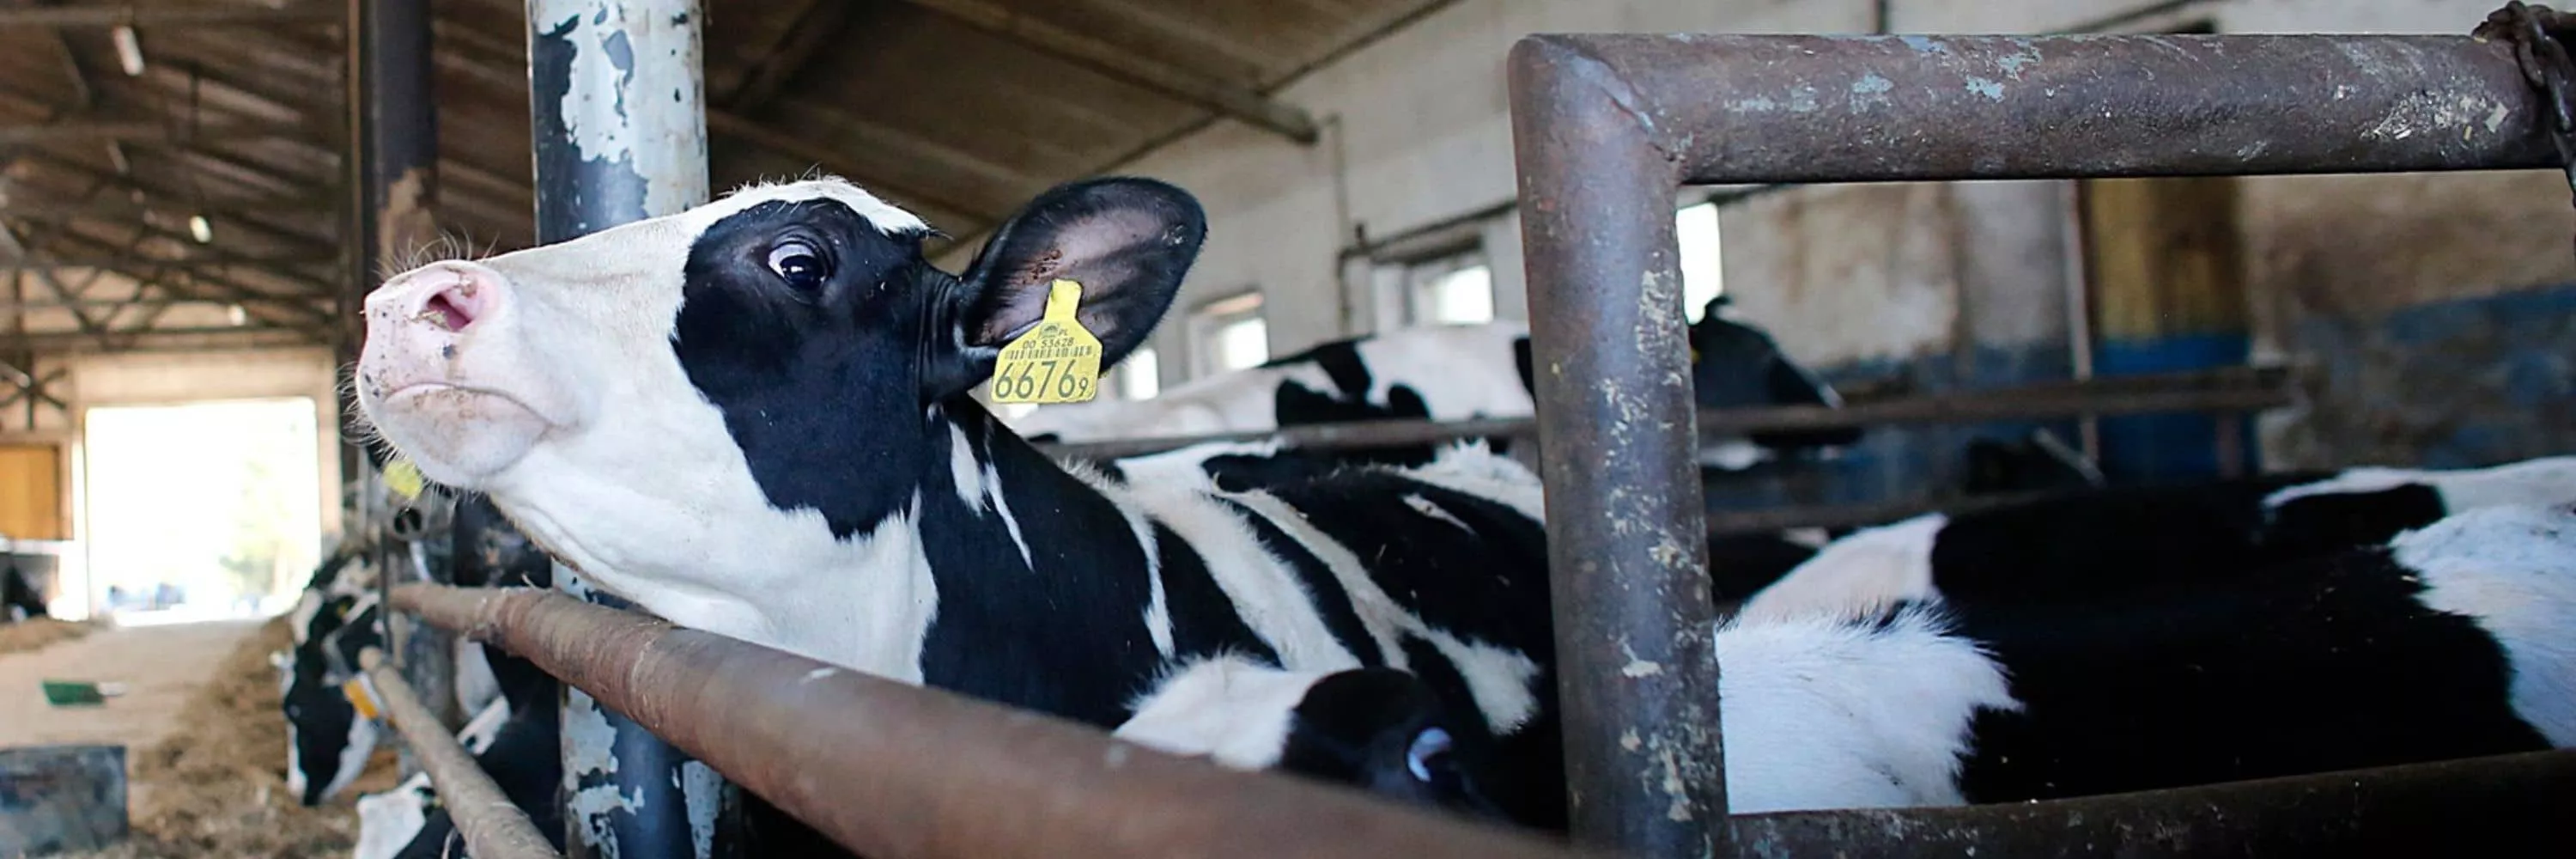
[70,693]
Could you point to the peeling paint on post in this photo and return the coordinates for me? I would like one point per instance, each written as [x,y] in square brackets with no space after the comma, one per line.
[620,135]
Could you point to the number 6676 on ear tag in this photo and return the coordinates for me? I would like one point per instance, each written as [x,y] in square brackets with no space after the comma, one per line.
[1056,362]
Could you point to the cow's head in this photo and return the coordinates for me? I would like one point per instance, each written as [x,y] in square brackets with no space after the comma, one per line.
[1380,730]
[679,400]
[328,740]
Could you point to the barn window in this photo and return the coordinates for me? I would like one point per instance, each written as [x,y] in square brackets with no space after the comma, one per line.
[1451,290]
[1703,277]
[1140,375]
[1229,334]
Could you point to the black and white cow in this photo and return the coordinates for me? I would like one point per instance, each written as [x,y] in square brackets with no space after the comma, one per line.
[2087,544]
[516,740]
[2454,640]
[754,418]
[18,597]
[328,738]
[1379,729]
[1444,373]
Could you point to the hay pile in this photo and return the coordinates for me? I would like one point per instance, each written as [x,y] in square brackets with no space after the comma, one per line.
[217,787]
[36,633]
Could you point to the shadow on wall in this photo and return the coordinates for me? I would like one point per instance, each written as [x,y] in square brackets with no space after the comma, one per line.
[2449,384]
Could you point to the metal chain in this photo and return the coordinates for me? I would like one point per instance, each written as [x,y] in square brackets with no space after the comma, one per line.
[2531,30]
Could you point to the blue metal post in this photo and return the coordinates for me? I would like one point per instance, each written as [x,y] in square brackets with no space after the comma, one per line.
[617,103]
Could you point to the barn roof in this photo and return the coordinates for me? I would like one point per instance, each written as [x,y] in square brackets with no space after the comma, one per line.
[959,109]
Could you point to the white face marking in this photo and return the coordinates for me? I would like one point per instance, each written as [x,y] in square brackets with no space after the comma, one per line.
[1227,708]
[1858,575]
[387,821]
[1824,713]
[353,757]
[479,732]
[2512,568]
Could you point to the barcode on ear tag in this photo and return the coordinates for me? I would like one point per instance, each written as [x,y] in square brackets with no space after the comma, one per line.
[1056,362]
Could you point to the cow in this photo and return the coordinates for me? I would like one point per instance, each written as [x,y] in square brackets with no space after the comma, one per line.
[2079,545]
[516,740]
[19,599]
[1379,729]
[754,418]
[1443,373]
[330,731]
[2453,640]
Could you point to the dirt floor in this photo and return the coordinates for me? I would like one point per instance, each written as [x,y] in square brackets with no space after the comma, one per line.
[206,744]
[40,633]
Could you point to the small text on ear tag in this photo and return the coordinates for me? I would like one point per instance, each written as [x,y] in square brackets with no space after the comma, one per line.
[1056,362]
[403,478]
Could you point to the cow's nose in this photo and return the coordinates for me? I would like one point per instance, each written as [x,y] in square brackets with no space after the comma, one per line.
[448,296]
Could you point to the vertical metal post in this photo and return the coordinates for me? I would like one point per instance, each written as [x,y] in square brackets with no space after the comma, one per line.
[1636,675]
[617,103]
[396,149]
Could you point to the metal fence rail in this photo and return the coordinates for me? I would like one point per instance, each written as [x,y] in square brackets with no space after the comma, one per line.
[493,828]
[1607,128]
[895,771]
[2229,390]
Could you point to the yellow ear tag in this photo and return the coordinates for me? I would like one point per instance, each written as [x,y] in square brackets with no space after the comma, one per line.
[404,479]
[360,697]
[1056,362]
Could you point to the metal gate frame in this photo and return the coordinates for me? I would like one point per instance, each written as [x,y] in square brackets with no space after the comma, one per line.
[1608,128]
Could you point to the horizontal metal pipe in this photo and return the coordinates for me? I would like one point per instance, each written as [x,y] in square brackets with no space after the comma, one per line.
[162,15]
[1769,519]
[2221,391]
[493,827]
[2506,805]
[1730,108]
[896,771]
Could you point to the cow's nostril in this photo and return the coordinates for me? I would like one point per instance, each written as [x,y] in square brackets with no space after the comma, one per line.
[456,306]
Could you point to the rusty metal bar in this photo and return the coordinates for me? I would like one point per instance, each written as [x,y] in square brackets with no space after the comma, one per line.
[896,771]
[1607,128]
[2231,390]
[1736,109]
[493,827]
[2505,805]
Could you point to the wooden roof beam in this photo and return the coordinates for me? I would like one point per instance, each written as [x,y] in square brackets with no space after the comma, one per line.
[139,15]
[157,131]
[1238,102]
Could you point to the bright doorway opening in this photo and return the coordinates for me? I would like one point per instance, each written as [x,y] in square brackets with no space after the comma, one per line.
[203,511]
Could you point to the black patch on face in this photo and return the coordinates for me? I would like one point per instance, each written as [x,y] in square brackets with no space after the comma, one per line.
[2326,664]
[814,379]
[1359,727]
[321,720]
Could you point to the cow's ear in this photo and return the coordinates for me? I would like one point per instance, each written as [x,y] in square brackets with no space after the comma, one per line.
[1127,241]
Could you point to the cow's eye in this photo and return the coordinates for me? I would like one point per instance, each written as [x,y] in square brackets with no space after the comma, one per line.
[796,262]
[1429,756]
